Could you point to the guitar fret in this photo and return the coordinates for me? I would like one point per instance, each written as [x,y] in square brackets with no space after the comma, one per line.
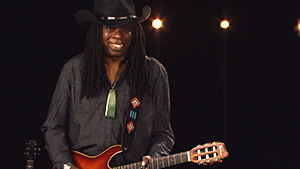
[153,163]
[174,159]
[138,165]
[170,160]
[181,158]
[157,162]
[186,157]
[160,162]
[150,164]
[167,161]
[177,158]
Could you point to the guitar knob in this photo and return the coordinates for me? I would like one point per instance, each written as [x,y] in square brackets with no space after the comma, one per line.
[220,161]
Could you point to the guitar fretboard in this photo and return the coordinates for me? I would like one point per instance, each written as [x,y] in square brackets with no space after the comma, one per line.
[160,162]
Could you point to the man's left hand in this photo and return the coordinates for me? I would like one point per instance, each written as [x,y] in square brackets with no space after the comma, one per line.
[145,161]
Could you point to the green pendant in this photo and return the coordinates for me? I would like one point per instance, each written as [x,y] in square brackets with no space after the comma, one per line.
[110,111]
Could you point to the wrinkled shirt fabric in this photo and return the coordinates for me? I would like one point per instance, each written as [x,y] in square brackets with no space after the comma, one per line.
[79,124]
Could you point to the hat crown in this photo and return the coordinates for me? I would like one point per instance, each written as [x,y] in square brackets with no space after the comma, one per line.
[114,13]
[116,8]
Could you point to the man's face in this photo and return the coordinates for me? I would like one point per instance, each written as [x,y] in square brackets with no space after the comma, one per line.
[116,41]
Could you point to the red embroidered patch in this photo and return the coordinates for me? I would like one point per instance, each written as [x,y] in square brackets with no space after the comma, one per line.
[135,102]
[130,127]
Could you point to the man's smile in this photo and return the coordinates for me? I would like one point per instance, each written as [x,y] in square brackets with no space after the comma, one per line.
[116,46]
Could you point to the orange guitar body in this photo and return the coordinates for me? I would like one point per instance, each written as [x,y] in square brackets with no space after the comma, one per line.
[100,161]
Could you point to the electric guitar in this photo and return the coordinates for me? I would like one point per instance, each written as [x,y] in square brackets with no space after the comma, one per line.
[32,151]
[201,154]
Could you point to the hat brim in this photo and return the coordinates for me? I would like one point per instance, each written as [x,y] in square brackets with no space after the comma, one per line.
[85,17]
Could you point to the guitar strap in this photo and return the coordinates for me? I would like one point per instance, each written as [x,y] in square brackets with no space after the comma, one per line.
[131,118]
[130,125]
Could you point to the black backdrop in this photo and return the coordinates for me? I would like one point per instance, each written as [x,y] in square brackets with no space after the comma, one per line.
[261,106]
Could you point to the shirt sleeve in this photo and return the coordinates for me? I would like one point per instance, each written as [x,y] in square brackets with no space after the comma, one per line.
[54,128]
[162,140]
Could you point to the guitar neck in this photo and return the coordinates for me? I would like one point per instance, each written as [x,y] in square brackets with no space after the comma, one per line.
[160,162]
[30,164]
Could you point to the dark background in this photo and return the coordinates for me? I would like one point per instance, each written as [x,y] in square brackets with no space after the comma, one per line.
[252,104]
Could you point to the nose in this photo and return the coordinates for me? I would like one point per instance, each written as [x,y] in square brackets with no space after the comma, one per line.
[118,33]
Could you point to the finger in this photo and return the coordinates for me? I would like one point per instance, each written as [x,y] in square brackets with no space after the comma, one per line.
[145,160]
[143,163]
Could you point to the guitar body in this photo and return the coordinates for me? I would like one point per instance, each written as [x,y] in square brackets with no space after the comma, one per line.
[100,161]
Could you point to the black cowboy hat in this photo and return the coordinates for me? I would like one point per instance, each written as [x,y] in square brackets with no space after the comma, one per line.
[113,13]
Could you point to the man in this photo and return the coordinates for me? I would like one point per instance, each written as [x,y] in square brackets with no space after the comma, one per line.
[112,94]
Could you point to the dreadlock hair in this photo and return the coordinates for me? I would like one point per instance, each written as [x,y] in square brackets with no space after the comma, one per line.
[94,76]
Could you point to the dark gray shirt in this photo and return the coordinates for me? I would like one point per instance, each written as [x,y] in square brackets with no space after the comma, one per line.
[80,124]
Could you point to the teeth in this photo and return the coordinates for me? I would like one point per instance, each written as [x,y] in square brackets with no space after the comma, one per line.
[117,45]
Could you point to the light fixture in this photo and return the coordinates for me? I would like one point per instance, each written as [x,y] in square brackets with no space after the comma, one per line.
[157,23]
[224,24]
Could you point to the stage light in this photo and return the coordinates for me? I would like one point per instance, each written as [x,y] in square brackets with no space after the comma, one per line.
[297,28]
[157,23]
[224,24]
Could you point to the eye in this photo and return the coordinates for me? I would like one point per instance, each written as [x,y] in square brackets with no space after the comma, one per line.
[126,29]
[109,29]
